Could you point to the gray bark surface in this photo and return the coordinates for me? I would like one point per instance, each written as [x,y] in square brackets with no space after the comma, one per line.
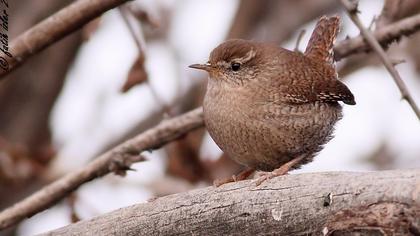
[332,203]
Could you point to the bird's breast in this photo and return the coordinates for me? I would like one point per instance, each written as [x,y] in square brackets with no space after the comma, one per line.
[264,134]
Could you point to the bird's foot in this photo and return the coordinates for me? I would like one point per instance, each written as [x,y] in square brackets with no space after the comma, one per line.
[234,178]
[282,170]
[269,175]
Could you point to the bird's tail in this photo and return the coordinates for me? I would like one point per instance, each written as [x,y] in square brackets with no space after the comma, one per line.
[320,46]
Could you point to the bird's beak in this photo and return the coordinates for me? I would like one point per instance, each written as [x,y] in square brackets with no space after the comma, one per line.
[205,67]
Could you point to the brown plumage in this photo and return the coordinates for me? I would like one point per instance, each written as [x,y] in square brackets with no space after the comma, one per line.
[268,107]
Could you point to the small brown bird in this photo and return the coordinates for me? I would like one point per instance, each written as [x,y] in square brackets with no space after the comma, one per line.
[272,109]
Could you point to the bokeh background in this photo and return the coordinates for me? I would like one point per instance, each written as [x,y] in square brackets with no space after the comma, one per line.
[108,82]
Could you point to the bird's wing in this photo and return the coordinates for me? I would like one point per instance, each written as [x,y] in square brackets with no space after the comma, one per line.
[312,82]
[326,90]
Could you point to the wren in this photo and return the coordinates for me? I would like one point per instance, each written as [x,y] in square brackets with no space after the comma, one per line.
[270,108]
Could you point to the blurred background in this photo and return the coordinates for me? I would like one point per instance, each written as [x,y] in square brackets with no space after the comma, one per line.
[127,70]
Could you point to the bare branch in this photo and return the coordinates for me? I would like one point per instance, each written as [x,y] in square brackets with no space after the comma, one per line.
[352,11]
[52,29]
[385,36]
[140,42]
[302,204]
[395,10]
[156,137]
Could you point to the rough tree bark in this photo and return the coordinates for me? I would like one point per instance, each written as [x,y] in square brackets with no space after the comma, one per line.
[332,203]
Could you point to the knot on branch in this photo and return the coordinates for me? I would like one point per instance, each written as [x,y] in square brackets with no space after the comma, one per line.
[122,161]
[385,218]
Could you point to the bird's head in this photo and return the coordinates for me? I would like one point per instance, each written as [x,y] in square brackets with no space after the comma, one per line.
[234,61]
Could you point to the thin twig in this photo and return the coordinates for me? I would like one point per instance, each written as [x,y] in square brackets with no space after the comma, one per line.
[116,160]
[372,22]
[385,35]
[52,29]
[71,202]
[140,42]
[352,12]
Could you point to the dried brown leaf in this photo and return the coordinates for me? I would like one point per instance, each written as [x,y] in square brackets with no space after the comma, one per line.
[184,161]
[137,74]
[144,17]
[17,165]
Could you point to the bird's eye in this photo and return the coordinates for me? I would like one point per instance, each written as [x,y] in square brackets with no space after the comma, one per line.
[235,66]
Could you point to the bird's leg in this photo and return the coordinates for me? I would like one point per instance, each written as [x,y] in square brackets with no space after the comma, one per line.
[282,170]
[234,178]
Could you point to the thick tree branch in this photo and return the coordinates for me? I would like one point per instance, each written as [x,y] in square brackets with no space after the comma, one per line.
[367,35]
[116,160]
[52,29]
[302,204]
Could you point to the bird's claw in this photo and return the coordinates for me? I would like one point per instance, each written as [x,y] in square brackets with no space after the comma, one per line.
[264,176]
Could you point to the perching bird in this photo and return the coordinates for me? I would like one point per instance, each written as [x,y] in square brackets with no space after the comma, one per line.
[270,108]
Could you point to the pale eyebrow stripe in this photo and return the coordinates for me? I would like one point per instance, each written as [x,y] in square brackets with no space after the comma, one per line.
[248,56]
[251,54]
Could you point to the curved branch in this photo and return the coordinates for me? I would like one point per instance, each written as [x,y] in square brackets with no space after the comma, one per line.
[52,29]
[302,204]
[375,45]
[385,36]
[116,160]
